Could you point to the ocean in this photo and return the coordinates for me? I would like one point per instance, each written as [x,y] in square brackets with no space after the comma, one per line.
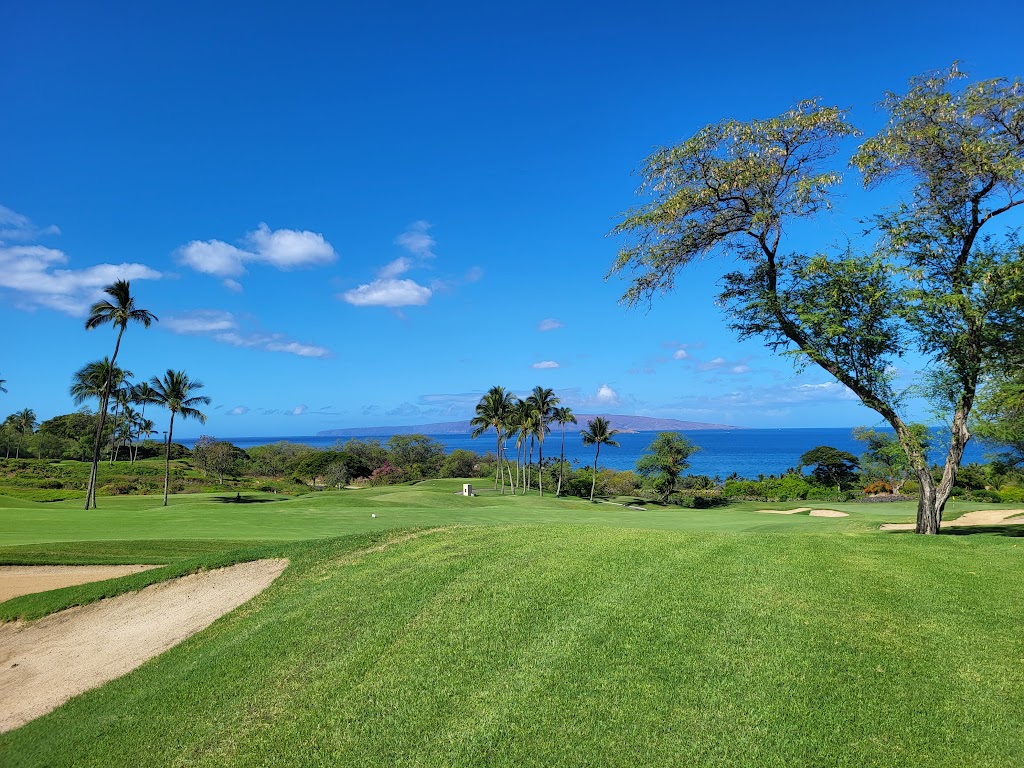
[748,452]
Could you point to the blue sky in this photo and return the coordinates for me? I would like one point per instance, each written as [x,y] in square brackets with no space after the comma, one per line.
[347,215]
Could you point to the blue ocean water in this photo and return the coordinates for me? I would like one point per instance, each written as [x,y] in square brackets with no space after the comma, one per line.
[748,452]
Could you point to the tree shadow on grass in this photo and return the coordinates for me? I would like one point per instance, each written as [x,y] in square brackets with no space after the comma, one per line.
[1013,531]
[239,499]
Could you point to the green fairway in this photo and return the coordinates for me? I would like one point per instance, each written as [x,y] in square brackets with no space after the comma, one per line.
[520,631]
[434,502]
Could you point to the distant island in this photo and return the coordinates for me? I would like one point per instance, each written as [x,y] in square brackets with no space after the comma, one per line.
[621,423]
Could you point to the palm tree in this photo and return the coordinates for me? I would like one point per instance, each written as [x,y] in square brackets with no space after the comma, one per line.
[598,432]
[24,421]
[543,402]
[142,394]
[562,415]
[174,392]
[492,412]
[91,381]
[524,425]
[120,312]
[145,428]
[8,427]
[2,387]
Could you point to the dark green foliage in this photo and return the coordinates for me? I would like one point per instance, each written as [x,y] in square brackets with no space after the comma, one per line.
[831,465]
[666,459]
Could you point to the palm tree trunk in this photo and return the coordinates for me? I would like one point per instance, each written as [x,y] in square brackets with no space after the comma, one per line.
[540,458]
[593,480]
[167,458]
[498,450]
[561,462]
[102,417]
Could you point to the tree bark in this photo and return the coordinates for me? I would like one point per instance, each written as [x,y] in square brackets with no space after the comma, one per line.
[561,463]
[593,480]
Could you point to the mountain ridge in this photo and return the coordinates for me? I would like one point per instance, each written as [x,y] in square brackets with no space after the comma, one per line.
[620,422]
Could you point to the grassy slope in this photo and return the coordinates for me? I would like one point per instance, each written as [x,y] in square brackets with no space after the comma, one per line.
[585,646]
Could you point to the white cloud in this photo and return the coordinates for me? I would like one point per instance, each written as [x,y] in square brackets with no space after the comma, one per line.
[394,268]
[290,248]
[281,248]
[416,240]
[548,324]
[740,369]
[226,328]
[474,274]
[606,395]
[34,273]
[233,285]
[201,321]
[680,354]
[714,364]
[238,410]
[214,257]
[545,364]
[298,410]
[17,227]
[388,293]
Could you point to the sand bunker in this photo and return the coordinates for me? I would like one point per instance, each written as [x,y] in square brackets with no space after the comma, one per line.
[18,580]
[46,662]
[969,519]
[808,510]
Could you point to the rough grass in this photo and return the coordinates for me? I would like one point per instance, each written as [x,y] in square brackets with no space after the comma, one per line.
[585,646]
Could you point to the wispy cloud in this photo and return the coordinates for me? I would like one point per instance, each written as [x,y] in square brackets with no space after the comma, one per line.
[228,329]
[549,324]
[238,410]
[281,248]
[394,268]
[545,364]
[15,227]
[388,293]
[38,278]
[417,241]
[680,354]
[475,274]
[298,410]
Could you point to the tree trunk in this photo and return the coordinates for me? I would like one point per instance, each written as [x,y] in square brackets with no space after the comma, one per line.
[561,462]
[593,480]
[540,458]
[498,461]
[167,458]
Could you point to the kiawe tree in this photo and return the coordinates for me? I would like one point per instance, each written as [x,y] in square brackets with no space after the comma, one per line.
[666,458]
[936,284]
[119,310]
[175,393]
[831,466]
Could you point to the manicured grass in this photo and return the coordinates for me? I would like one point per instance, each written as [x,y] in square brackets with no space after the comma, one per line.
[585,645]
[525,631]
[317,515]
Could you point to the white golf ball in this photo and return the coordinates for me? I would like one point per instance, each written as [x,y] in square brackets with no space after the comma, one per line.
[372,515]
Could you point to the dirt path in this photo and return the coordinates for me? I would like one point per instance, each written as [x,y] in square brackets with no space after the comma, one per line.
[18,580]
[968,519]
[46,662]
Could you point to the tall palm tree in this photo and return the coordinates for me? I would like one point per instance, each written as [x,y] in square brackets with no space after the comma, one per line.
[2,387]
[597,432]
[24,421]
[121,393]
[174,392]
[120,311]
[524,426]
[144,428]
[542,401]
[562,415]
[492,412]
[91,381]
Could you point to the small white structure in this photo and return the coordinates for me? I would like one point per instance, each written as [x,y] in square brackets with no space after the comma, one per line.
[467,489]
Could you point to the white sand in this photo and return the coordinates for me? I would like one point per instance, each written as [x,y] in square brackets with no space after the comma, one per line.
[18,580]
[46,662]
[969,519]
